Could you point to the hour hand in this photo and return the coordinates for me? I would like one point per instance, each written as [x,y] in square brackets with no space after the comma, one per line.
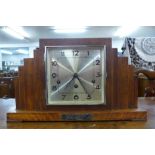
[70,81]
[74,76]
[82,85]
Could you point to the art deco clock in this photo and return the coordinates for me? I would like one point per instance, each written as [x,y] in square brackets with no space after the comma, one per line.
[76,79]
[75,75]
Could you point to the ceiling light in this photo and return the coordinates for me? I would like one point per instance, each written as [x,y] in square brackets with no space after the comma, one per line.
[6,52]
[20,30]
[66,29]
[16,32]
[22,51]
[124,31]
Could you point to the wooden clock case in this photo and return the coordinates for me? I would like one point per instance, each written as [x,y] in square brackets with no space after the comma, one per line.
[121,89]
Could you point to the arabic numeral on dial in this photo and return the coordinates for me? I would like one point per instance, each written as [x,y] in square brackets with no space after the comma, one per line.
[54,88]
[88,97]
[54,75]
[98,62]
[54,63]
[58,82]
[75,53]
[63,96]
[76,97]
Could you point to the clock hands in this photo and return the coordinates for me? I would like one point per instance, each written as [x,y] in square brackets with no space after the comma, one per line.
[87,82]
[83,86]
[76,76]
[70,81]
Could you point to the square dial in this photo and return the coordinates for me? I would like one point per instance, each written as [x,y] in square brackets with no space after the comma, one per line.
[75,75]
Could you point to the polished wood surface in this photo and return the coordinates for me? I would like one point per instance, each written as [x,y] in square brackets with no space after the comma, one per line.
[146,87]
[8,105]
[76,116]
[149,74]
[146,83]
[143,83]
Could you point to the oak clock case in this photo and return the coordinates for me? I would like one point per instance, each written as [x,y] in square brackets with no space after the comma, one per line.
[75,75]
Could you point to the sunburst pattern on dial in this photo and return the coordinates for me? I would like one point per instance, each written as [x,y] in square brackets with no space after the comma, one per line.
[75,75]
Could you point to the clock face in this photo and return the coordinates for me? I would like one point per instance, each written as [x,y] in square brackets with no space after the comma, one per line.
[75,75]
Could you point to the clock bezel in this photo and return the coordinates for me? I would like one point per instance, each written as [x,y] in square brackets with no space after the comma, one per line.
[103,49]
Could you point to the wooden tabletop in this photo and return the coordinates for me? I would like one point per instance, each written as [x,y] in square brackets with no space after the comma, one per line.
[148,103]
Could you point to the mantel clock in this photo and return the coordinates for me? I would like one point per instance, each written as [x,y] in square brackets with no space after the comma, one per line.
[76,79]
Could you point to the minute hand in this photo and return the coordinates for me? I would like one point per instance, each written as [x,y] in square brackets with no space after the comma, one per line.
[82,85]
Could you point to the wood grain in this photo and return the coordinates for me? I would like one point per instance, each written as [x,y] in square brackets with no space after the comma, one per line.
[39,75]
[29,84]
[133,90]
[145,103]
[96,116]
[114,104]
[122,89]
[21,89]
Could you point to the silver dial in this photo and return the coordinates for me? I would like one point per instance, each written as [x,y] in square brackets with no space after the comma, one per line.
[75,75]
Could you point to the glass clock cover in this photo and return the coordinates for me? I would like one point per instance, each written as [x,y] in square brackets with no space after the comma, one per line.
[75,75]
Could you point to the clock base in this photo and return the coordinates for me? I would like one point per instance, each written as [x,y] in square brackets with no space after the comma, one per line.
[107,115]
